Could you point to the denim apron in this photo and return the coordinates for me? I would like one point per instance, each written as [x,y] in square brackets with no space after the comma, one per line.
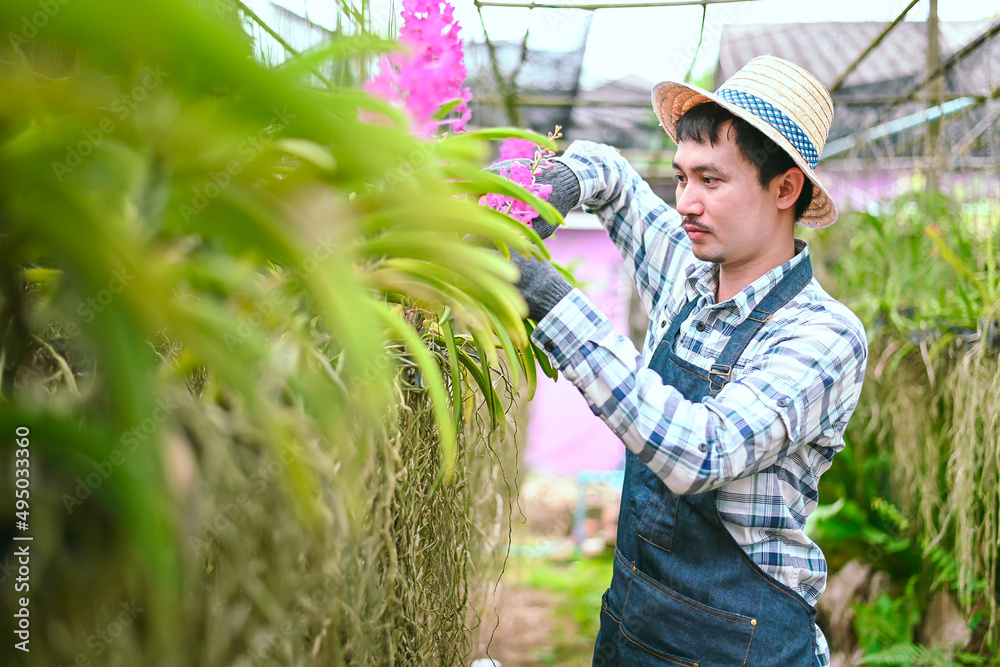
[683,591]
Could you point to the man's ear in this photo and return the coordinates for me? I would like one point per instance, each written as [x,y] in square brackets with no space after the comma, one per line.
[788,187]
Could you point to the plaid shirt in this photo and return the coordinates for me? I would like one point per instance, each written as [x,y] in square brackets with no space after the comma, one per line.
[773,429]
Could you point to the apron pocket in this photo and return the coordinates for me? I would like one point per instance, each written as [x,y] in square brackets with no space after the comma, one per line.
[663,623]
[635,653]
[656,525]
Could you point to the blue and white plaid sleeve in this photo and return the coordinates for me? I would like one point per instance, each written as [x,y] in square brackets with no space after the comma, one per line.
[647,232]
[802,389]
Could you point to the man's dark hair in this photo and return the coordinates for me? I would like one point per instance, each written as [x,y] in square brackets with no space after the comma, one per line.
[702,124]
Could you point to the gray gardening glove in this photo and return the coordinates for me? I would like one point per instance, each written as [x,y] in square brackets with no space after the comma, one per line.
[541,285]
[565,194]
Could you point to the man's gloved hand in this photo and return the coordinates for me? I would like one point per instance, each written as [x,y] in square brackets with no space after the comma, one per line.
[565,194]
[541,285]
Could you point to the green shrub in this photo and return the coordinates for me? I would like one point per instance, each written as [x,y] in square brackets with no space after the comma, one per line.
[265,378]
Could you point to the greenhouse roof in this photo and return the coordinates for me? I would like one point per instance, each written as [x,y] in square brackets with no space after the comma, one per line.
[826,49]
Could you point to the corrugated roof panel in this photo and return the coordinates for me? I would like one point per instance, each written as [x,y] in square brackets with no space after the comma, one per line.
[827,49]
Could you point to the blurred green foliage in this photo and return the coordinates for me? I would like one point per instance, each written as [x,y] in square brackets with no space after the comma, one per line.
[266,379]
[915,492]
[576,588]
[582,582]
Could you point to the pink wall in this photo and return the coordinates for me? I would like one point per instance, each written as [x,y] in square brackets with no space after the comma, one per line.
[564,436]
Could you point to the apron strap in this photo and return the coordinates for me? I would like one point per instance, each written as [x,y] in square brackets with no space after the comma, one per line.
[675,325]
[786,290]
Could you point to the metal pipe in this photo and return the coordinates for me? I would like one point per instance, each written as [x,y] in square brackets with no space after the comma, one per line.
[871,47]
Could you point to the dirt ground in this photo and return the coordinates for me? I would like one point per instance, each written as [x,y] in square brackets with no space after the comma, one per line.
[548,600]
[532,633]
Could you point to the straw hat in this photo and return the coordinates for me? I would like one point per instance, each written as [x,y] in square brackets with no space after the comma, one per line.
[780,99]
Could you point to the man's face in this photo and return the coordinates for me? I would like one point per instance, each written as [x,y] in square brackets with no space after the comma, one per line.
[730,219]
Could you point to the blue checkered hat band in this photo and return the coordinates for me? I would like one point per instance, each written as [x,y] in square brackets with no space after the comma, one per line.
[776,119]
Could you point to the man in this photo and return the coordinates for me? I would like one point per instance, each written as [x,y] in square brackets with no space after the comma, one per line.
[749,373]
